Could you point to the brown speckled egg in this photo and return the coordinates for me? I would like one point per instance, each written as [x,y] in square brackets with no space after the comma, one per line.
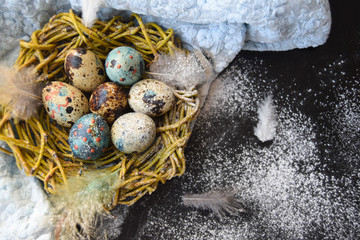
[64,103]
[151,97]
[109,100]
[84,69]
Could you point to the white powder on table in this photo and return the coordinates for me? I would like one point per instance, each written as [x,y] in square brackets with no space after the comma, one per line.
[303,185]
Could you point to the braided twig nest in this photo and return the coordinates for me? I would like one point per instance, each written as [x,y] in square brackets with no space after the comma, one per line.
[41,147]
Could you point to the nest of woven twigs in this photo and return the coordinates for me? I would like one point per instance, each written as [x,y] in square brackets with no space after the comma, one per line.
[41,147]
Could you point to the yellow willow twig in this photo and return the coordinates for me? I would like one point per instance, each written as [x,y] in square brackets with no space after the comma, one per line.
[20,161]
[182,121]
[55,157]
[44,62]
[174,159]
[132,201]
[170,150]
[37,46]
[156,55]
[42,148]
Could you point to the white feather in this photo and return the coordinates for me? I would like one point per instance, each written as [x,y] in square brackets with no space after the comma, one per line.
[221,202]
[265,130]
[183,70]
[89,9]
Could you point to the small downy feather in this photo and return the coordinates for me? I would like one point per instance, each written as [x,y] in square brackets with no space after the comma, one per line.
[221,202]
[265,130]
[80,204]
[183,70]
[19,92]
[89,9]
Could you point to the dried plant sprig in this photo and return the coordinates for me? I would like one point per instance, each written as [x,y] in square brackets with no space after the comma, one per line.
[221,202]
[20,92]
[81,203]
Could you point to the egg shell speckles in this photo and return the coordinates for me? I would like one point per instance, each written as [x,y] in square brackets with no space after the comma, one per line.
[64,103]
[109,100]
[151,97]
[89,137]
[124,65]
[133,132]
[84,69]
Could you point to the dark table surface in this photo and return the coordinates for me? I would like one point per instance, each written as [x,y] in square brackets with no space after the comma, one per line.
[302,185]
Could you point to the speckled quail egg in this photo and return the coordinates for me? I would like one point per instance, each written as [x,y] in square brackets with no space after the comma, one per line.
[84,69]
[124,65]
[151,97]
[89,137]
[133,132]
[64,103]
[109,100]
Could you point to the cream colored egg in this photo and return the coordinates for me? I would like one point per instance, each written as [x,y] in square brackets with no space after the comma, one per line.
[64,103]
[151,97]
[133,132]
[84,69]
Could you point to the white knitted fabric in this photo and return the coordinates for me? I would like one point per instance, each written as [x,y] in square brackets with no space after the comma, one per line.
[23,205]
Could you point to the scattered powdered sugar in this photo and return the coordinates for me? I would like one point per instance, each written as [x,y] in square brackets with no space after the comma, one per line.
[302,185]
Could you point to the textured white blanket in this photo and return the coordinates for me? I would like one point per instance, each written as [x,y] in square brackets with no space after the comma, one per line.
[222,28]
[225,27]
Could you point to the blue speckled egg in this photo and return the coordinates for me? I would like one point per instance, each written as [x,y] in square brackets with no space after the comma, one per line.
[133,132]
[124,65]
[89,137]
